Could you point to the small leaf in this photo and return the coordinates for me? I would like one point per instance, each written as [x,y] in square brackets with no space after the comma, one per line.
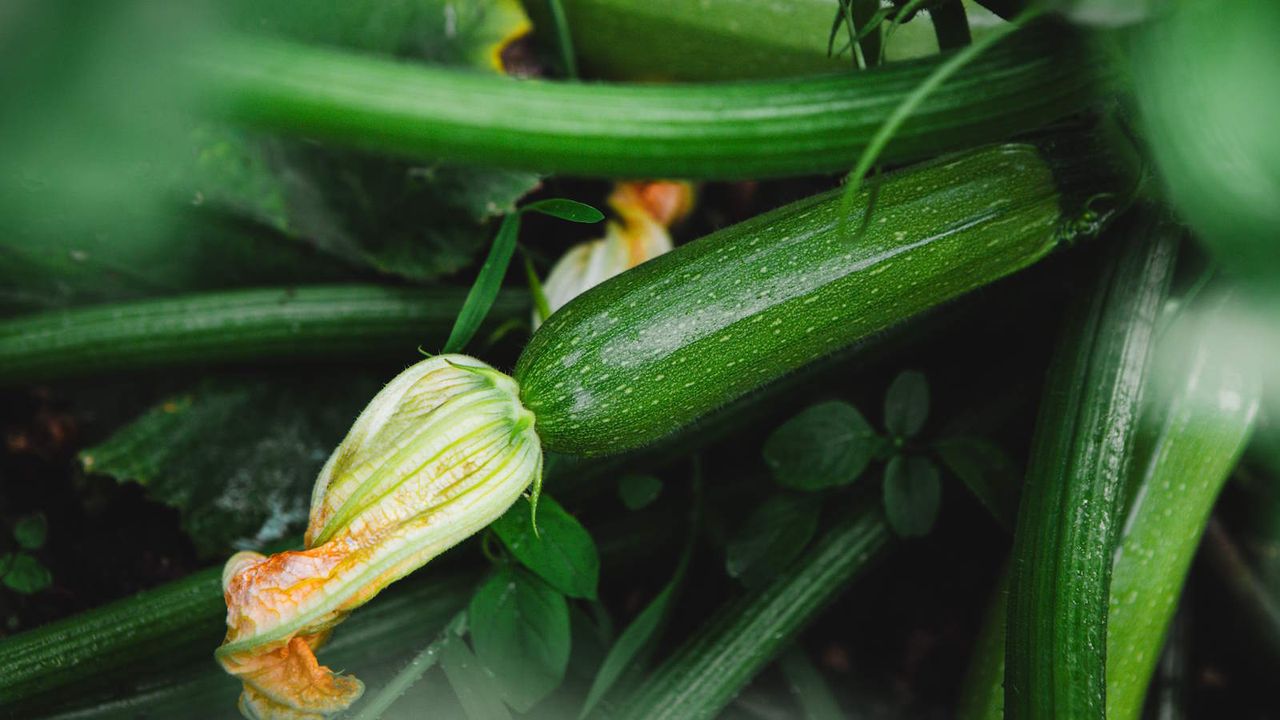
[476,690]
[631,644]
[561,552]
[826,445]
[988,473]
[637,641]
[539,295]
[24,574]
[31,531]
[912,495]
[906,404]
[565,209]
[638,491]
[520,628]
[775,534]
[485,289]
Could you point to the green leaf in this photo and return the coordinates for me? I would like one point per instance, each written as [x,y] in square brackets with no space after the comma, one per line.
[912,495]
[478,692]
[393,216]
[436,31]
[565,209]
[826,445]
[988,473]
[560,552]
[520,628]
[638,491]
[30,531]
[774,535]
[485,289]
[24,574]
[237,456]
[811,691]
[638,640]
[906,404]
[631,644]
[540,304]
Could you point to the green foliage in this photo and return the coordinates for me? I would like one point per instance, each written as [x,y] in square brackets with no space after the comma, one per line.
[24,574]
[237,456]
[560,551]
[30,531]
[912,495]
[906,404]
[520,628]
[987,471]
[488,282]
[478,691]
[773,536]
[637,491]
[21,571]
[826,445]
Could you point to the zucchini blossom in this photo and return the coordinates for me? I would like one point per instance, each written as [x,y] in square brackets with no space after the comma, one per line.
[443,450]
[645,210]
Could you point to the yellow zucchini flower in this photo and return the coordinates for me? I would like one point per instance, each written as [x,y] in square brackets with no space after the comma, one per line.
[439,453]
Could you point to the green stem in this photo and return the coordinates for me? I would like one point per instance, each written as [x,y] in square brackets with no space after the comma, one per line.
[564,38]
[1067,522]
[326,322]
[1208,414]
[374,707]
[713,666]
[1199,421]
[733,130]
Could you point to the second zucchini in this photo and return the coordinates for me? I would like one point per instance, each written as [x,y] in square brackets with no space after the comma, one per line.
[664,343]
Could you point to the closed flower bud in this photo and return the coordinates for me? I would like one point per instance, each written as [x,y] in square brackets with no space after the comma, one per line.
[645,211]
[439,453]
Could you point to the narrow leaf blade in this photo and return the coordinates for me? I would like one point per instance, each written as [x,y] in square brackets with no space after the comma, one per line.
[485,289]
[565,209]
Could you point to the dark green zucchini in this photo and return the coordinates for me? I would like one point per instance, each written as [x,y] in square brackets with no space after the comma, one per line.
[661,345]
[1069,511]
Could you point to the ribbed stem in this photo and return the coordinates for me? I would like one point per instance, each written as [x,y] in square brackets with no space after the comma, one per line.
[325,322]
[1068,519]
[728,130]
[709,670]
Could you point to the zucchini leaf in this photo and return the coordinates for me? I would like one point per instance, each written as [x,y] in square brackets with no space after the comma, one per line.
[520,629]
[236,455]
[560,551]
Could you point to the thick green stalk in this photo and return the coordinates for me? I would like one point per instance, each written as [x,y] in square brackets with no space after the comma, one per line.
[328,322]
[1067,522]
[154,623]
[1210,412]
[730,130]
[712,667]
[1200,418]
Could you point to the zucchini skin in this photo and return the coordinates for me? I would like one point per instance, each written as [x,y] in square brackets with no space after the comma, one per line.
[1068,516]
[653,349]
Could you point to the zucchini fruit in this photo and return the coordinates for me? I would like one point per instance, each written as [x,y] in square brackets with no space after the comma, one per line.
[656,347]
[1068,518]
[749,130]
[324,322]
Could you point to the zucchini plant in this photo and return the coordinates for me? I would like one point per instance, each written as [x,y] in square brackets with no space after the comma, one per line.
[231,226]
